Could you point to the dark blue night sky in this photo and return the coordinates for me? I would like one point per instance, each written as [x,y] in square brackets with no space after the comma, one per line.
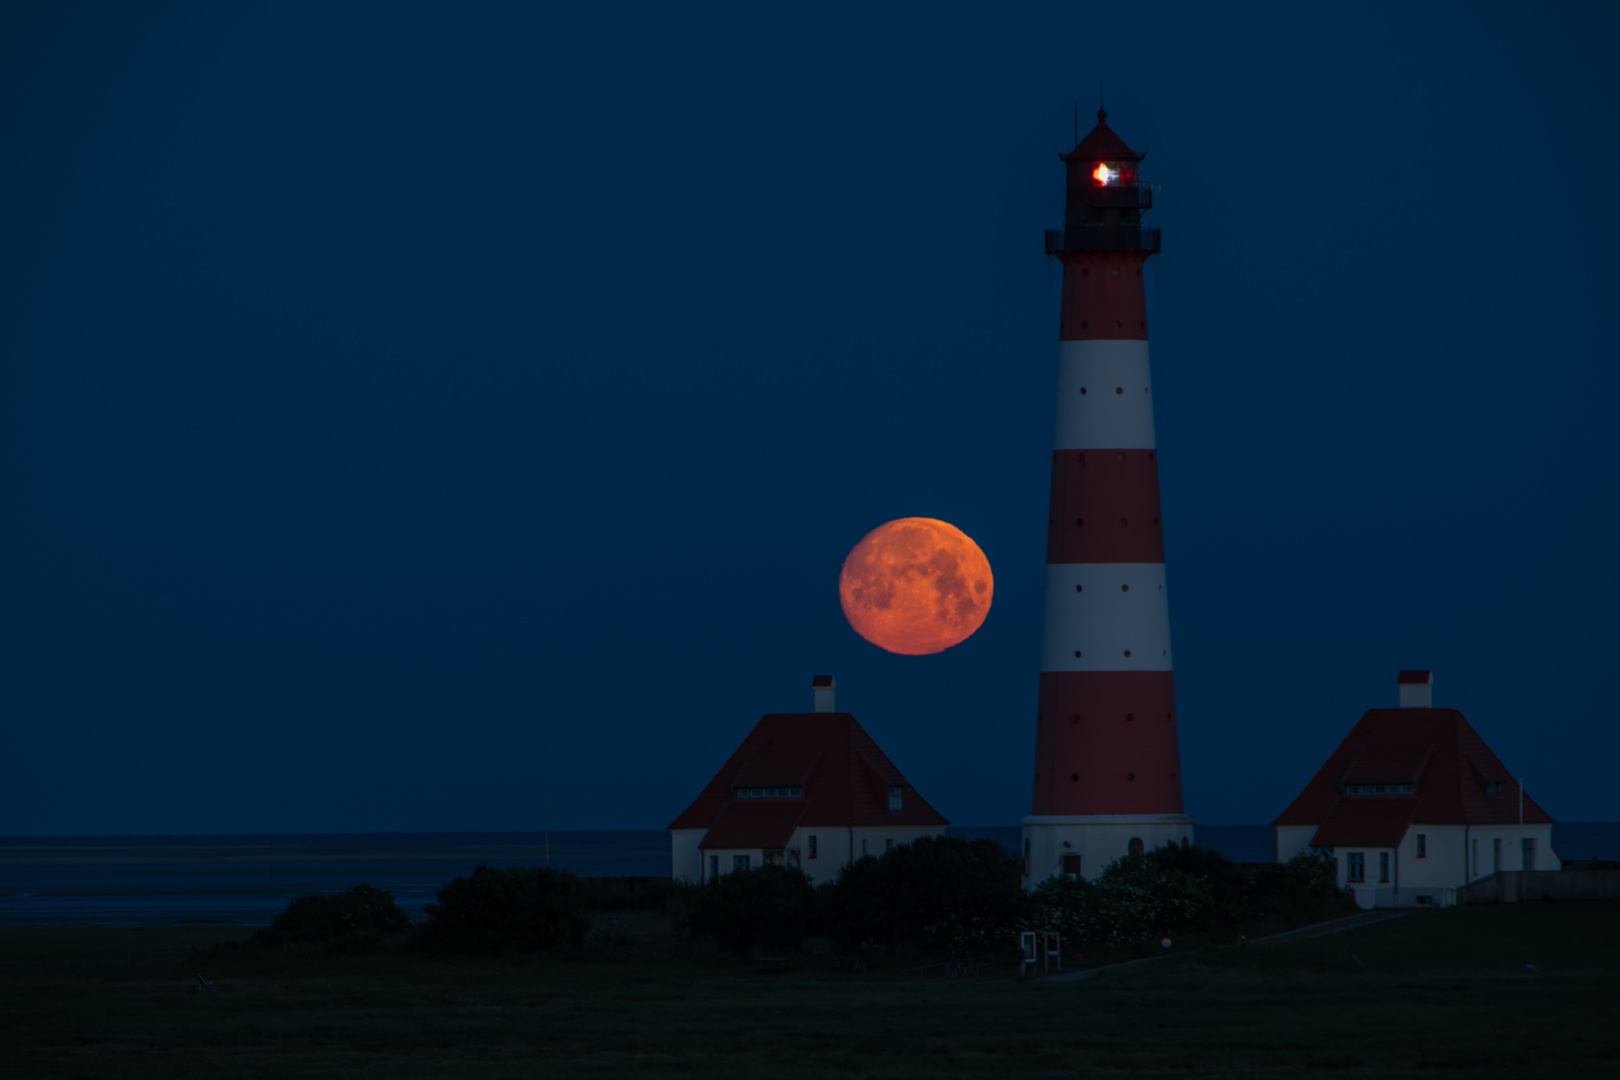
[413,411]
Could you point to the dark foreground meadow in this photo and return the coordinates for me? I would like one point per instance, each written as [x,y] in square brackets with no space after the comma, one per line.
[1434,993]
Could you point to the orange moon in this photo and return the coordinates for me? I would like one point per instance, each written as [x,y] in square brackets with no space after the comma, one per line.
[916,586]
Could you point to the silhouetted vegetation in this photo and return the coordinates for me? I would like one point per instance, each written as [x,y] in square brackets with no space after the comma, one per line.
[939,893]
[363,910]
[942,896]
[772,908]
[508,908]
[1175,888]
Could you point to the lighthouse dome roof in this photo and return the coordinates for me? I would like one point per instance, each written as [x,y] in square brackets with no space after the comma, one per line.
[1102,144]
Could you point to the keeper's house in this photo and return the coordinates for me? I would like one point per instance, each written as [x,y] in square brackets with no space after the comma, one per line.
[807,790]
[1413,805]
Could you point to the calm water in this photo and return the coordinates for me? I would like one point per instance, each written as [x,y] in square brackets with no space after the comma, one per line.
[177,880]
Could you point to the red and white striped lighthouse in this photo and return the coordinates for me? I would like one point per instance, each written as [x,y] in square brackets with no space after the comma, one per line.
[1107,768]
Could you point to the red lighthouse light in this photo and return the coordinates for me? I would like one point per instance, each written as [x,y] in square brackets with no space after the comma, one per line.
[1105,176]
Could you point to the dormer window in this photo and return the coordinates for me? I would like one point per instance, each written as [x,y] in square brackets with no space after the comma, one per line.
[1378,789]
[770,792]
[1493,787]
[895,800]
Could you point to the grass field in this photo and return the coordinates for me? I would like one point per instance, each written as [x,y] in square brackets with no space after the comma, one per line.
[1442,993]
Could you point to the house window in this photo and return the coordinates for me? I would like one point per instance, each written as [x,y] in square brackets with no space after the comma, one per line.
[1358,866]
[1493,787]
[714,867]
[1496,855]
[1528,846]
[1475,853]
[1071,865]
[863,847]
[888,845]
[773,857]
[1135,846]
[1383,868]
[1026,856]
[741,862]
[1422,846]
[812,839]
[894,799]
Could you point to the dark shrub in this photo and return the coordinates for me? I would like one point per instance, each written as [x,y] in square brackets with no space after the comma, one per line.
[940,893]
[1135,897]
[508,908]
[364,909]
[1230,885]
[1304,887]
[769,909]
[628,894]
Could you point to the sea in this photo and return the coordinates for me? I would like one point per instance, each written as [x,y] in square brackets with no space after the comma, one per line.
[245,880]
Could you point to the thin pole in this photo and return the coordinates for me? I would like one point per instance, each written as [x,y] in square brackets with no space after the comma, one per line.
[1521,825]
[548,830]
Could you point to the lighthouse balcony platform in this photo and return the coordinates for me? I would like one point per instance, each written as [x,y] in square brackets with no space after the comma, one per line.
[1102,238]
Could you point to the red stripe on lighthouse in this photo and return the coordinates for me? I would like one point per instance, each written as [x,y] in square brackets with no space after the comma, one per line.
[1105,507]
[1103,297]
[1106,743]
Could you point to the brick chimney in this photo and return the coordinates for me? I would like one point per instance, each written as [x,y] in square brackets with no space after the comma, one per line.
[824,685]
[1416,689]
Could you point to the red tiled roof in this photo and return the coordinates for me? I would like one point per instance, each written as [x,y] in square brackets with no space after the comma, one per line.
[1420,678]
[1435,750]
[1102,144]
[845,777]
[755,824]
[1376,821]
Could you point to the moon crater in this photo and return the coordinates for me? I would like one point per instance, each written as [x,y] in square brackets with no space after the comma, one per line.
[916,586]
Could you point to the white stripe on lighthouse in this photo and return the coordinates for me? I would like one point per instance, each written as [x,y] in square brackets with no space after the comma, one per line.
[1116,410]
[1102,611]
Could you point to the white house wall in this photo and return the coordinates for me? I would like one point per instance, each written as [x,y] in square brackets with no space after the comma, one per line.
[1448,861]
[685,861]
[833,846]
[1293,839]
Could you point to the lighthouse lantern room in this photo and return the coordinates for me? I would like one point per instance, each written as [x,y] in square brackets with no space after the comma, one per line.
[1107,778]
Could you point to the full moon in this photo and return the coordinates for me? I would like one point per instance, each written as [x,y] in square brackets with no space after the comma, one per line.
[916,586]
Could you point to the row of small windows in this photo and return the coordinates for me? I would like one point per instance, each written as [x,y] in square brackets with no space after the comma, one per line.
[770,792]
[1165,652]
[774,857]
[1119,390]
[1356,861]
[1356,866]
[1122,588]
[1378,789]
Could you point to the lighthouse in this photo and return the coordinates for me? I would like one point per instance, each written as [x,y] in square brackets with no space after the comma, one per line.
[1107,776]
